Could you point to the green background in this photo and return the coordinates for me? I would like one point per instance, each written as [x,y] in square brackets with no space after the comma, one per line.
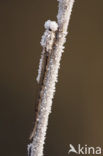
[77,112]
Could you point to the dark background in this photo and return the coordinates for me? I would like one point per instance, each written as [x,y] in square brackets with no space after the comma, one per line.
[77,112]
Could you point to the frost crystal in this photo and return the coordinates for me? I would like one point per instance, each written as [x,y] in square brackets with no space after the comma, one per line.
[52,25]
[47,43]
[52,46]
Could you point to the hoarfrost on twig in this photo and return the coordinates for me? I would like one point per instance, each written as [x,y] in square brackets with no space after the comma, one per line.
[52,42]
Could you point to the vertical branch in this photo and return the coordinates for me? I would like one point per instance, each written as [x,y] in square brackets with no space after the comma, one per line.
[47,44]
[52,42]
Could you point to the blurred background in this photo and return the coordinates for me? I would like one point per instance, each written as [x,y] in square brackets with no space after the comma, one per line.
[77,112]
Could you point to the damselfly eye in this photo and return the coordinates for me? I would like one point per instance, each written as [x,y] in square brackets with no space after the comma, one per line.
[50,29]
[51,25]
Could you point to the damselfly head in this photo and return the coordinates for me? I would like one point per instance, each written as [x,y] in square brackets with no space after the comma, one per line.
[51,25]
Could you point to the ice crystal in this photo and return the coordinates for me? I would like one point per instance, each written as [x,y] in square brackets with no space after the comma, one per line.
[54,46]
[52,25]
[47,43]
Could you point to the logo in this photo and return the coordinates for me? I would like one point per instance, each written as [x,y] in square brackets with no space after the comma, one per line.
[85,150]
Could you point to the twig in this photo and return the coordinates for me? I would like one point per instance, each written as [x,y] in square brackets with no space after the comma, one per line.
[52,43]
[47,44]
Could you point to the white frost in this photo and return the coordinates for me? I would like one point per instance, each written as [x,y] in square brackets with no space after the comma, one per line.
[64,14]
[48,88]
[47,43]
[52,25]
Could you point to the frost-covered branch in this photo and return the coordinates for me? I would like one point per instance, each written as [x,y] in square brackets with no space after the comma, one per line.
[52,43]
[47,44]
